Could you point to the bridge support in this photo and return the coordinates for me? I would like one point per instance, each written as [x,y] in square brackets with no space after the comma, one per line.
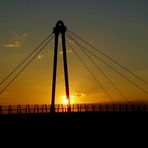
[60,29]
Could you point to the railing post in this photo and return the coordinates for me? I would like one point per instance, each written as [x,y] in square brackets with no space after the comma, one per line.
[1,110]
[43,108]
[27,109]
[36,108]
[18,109]
[10,110]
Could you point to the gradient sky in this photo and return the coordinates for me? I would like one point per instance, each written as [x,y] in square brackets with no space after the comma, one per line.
[118,27]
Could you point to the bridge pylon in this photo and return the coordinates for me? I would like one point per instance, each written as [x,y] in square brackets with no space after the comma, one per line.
[60,28]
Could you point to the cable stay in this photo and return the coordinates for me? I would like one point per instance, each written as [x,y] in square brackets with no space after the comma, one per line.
[103,73]
[105,55]
[27,57]
[27,64]
[90,72]
[130,81]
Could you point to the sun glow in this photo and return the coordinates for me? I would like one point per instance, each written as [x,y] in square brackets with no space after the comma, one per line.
[65,101]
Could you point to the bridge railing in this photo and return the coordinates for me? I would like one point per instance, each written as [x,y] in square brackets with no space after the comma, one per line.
[33,109]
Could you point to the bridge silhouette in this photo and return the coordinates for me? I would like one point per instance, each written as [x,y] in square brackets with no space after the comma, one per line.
[84,108]
[73,119]
[66,34]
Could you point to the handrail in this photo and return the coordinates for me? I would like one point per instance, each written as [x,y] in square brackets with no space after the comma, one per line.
[21,109]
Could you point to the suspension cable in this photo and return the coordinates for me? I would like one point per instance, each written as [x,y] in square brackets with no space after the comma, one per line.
[25,67]
[96,80]
[133,83]
[21,63]
[117,63]
[109,80]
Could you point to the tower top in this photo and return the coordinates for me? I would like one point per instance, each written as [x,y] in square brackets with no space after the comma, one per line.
[59,28]
[60,23]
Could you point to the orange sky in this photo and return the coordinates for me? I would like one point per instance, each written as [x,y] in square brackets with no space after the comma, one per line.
[119,29]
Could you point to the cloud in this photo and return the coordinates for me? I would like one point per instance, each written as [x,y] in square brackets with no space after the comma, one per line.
[40,57]
[75,95]
[19,39]
[21,36]
[24,35]
[13,45]
[68,51]
[79,95]
[6,95]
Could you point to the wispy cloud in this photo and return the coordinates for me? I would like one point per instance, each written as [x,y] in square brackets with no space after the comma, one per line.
[79,95]
[6,95]
[24,35]
[68,52]
[21,36]
[39,57]
[13,45]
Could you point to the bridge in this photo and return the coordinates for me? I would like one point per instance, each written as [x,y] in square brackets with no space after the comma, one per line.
[68,117]
[67,36]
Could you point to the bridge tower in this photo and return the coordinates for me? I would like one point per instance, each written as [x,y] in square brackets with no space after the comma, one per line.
[60,28]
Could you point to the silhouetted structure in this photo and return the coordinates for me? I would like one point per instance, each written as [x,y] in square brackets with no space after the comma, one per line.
[82,116]
[75,108]
[60,29]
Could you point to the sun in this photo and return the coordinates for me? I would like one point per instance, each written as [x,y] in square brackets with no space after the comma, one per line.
[65,101]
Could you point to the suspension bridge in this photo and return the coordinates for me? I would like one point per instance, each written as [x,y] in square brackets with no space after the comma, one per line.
[86,48]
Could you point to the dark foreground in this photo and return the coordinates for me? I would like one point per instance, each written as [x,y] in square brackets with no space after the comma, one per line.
[85,129]
[74,126]
[91,120]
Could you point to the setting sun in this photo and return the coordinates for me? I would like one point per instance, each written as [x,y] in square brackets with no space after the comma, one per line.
[65,101]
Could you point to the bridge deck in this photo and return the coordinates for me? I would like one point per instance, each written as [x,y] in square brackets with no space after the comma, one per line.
[59,108]
[89,117]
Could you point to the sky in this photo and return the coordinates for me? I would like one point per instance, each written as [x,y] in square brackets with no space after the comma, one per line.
[119,28]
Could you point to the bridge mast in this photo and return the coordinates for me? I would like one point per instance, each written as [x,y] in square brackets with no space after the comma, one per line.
[60,28]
